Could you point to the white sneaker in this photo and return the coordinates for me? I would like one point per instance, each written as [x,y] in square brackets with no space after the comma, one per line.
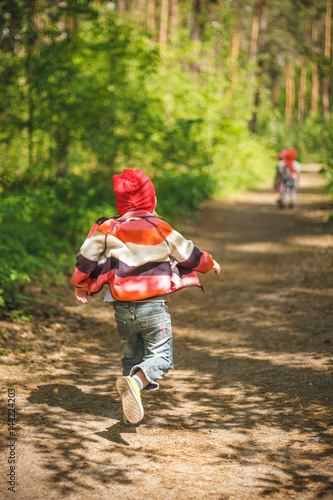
[129,393]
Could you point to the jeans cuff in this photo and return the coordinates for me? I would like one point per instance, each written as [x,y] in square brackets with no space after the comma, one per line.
[153,385]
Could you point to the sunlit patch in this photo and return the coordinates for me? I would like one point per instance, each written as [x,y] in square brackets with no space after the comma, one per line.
[313,240]
[259,247]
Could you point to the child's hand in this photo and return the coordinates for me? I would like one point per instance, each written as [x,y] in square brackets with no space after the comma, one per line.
[216,267]
[82,294]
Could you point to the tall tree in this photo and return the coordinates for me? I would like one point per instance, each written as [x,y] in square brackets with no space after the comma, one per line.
[327,60]
[290,99]
[141,8]
[262,37]
[235,46]
[71,19]
[151,15]
[254,32]
[302,87]
[164,22]
[31,36]
[315,75]
[121,5]
[253,50]
[173,16]
[196,32]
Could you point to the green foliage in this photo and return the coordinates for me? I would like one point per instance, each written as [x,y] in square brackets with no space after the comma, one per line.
[328,169]
[312,134]
[25,348]
[80,108]
[40,228]
[5,352]
[19,313]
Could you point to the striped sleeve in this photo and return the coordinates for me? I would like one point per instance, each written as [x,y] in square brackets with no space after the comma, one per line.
[87,258]
[188,255]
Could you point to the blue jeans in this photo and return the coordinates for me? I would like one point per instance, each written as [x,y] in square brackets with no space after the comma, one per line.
[146,338]
[288,186]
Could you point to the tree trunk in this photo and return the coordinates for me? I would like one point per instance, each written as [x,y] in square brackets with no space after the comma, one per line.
[196,35]
[235,49]
[163,38]
[254,32]
[173,16]
[315,77]
[328,58]
[290,100]
[262,37]
[302,88]
[141,8]
[121,6]
[71,21]
[253,50]
[219,42]
[151,15]
[301,97]
[31,37]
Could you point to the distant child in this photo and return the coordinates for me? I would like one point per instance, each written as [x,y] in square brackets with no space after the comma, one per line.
[143,260]
[289,170]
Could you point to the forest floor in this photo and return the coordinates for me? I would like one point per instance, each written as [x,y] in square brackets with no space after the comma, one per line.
[247,411]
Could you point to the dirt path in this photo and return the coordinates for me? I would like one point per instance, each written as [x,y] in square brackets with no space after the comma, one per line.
[245,414]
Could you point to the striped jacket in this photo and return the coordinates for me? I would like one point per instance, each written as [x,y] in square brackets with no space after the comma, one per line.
[139,256]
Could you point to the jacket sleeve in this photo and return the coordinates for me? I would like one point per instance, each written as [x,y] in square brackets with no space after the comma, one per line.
[88,256]
[187,254]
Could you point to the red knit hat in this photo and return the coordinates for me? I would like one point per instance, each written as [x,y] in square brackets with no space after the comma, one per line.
[134,190]
[291,154]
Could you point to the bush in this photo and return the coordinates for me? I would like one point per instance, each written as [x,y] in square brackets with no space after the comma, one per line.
[41,226]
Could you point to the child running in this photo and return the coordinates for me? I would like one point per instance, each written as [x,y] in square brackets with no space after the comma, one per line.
[143,260]
[289,170]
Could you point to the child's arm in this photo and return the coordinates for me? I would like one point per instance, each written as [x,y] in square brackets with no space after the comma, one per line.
[188,255]
[82,294]
[216,267]
[86,261]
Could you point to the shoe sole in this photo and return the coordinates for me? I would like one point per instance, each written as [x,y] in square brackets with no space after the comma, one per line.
[132,406]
